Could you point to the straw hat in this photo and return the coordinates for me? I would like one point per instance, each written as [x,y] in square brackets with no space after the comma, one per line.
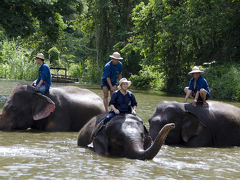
[116,55]
[40,56]
[196,69]
[123,80]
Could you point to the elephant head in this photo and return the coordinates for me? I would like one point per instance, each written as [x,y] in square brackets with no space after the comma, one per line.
[187,124]
[23,107]
[123,136]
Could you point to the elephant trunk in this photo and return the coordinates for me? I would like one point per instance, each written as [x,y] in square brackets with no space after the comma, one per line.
[152,151]
[5,124]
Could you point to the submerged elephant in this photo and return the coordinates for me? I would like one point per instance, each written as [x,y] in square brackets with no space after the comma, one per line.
[65,109]
[123,136]
[217,125]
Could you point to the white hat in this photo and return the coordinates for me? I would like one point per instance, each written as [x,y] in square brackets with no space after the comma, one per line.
[196,69]
[40,56]
[116,55]
[123,80]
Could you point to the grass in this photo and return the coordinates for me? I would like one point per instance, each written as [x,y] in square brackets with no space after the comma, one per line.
[16,62]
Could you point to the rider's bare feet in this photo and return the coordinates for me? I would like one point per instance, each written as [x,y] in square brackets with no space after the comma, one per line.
[194,104]
[205,104]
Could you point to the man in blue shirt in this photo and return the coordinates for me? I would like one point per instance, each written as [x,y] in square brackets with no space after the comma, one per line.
[43,83]
[111,72]
[198,87]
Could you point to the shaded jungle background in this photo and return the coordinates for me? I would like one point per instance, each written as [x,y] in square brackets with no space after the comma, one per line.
[160,40]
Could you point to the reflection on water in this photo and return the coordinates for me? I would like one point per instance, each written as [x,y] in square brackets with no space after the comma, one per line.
[28,155]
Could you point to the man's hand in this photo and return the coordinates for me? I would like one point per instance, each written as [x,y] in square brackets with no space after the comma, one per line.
[37,87]
[112,89]
[116,111]
[39,84]
[194,103]
[134,112]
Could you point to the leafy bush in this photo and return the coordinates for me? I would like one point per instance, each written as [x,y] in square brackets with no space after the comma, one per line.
[75,70]
[91,72]
[182,82]
[54,56]
[224,81]
[148,77]
[15,62]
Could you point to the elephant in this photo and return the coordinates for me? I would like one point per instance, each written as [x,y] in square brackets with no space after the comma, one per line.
[65,108]
[123,136]
[217,125]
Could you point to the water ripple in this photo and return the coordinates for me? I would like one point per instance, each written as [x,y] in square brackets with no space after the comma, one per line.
[56,156]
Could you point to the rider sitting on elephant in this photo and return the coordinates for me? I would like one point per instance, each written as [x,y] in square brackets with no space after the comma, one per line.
[198,87]
[122,101]
[43,83]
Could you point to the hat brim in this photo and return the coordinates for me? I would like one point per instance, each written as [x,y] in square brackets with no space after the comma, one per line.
[129,84]
[115,57]
[192,72]
[39,58]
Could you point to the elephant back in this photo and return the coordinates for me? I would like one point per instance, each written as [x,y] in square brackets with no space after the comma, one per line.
[204,114]
[214,112]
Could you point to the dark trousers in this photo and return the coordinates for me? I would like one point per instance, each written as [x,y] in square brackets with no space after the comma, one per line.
[112,114]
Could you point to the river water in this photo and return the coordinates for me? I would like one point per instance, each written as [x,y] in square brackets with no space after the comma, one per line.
[26,155]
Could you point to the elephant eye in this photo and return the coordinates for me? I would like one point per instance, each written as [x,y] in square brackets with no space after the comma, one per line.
[13,108]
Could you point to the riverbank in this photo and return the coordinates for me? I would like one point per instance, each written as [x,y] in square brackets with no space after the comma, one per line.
[8,84]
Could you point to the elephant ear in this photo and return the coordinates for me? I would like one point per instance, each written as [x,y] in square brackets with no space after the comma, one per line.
[100,143]
[42,107]
[191,127]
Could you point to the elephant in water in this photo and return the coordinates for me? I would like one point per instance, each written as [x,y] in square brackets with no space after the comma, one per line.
[217,125]
[63,109]
[123,136]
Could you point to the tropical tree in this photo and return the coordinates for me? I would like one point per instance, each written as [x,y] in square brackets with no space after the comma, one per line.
[174,35]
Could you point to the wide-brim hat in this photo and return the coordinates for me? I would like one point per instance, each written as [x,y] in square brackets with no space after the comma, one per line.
[116,55]
[196,69]
[124,80]
[40,56]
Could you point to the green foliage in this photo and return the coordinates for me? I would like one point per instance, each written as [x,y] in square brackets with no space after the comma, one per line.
[24,18]
[75,70]
[131,61]
[224,81]
[107,25]
[67,60]
[160,40]
[38,24]
[92,73]
[176,35]
[53,54]
[15,62]
[148,78]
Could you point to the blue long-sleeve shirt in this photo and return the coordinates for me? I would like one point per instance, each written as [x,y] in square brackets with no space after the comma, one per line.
[112,71]
[123,102]
[201,83]
[45,75]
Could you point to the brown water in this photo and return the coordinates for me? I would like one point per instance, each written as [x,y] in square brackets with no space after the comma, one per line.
[25,155]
